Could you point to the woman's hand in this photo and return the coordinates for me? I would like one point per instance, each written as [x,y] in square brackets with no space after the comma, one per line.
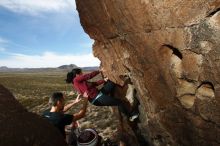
[102,70]
[85,95]
[106,79]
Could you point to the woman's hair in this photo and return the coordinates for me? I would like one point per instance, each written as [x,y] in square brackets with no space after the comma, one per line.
[76,71]
[71,75]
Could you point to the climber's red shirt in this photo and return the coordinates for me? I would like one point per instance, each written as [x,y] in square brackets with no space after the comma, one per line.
[81,84]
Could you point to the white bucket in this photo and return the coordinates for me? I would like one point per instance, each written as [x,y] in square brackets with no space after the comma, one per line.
[87,137]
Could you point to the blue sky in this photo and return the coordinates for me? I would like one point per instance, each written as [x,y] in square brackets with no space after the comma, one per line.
[43,33]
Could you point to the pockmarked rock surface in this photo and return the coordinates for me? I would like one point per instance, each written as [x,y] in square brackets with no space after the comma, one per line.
[21,128]
[171,51]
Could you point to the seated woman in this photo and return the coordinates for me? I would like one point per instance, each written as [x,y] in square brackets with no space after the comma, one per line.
[97,97]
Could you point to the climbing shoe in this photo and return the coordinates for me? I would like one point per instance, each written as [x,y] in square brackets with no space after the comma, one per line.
[133,117]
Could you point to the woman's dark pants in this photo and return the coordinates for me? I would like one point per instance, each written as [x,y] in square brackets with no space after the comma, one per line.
[108,100]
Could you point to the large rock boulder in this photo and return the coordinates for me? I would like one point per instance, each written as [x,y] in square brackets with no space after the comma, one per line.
[21,128]
[171,50]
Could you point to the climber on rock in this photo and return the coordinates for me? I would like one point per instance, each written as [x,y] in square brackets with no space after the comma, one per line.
[57,117]
[102,97]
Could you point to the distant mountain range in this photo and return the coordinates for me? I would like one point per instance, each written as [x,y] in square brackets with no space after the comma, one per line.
[71,66]
[60,68]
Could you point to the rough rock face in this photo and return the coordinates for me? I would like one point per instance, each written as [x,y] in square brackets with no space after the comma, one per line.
[171,50]
[21,128]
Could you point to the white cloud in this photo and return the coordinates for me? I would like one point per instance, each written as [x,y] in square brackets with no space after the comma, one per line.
[35,7]
[49,59]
